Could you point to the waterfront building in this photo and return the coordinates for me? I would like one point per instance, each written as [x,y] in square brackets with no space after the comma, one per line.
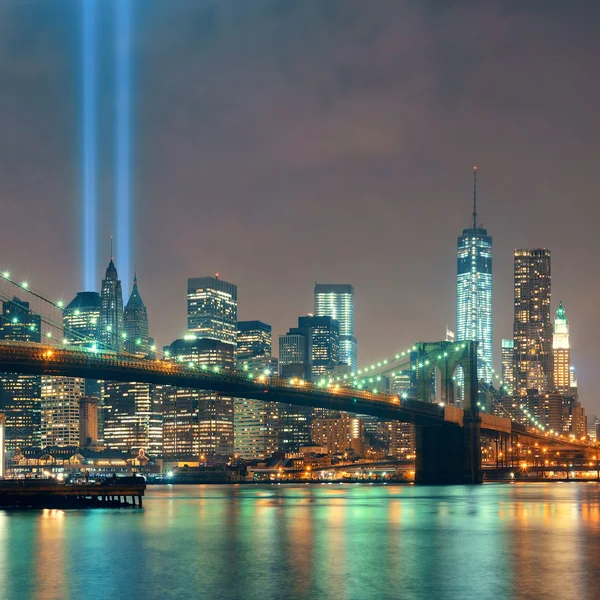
[340,434]
[20,395]
[474,289]
[111,331]
[508,366]
[212,309]
[60,410]
[132,416]
[561,352]
[255,422]
[337,301]
[532,332]
[135,319]
[198,422]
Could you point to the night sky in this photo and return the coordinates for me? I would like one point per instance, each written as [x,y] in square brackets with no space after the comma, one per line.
[281,142]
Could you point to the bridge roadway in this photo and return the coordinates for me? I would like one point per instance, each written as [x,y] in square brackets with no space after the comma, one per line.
[38,359]
[28,358]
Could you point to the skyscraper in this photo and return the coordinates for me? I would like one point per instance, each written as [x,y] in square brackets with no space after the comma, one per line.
[132,416]
[325,343]
[337,301]
[508,366]
[474,289]
[212,309]
[20,395]
[561,352]
[198,421]
[135,318]
[60,410]
[81,319]
[255,422]
[532,324]
[81,322]
[112,328]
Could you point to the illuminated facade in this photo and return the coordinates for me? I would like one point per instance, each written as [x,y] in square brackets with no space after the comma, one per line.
[88,421]
[198,422]
[60,410]
[255,422]
[324,334]
[132,416]
[111,333]
[294,354]
[81,323]
[474,291]
[20,395]
[532,331]
[212,309]
[561,352]
[339,434]
[135,318]
[337,301]
[253,339]
[81,318]
[508,366]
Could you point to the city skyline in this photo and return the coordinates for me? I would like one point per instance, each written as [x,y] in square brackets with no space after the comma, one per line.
[393,186]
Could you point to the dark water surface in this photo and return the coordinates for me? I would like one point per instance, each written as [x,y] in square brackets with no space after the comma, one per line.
[313,542]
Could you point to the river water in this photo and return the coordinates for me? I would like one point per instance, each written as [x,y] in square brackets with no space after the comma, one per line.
[530,540]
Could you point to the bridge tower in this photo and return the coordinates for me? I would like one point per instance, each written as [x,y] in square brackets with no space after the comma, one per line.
[448,454]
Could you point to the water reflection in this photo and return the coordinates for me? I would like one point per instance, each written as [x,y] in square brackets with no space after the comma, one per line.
[344,541]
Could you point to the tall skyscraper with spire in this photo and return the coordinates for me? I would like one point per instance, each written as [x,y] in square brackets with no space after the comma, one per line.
[111,332]
[135,319]
[474,289]
[561,352]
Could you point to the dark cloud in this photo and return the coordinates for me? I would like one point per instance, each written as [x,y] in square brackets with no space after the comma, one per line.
[282,142]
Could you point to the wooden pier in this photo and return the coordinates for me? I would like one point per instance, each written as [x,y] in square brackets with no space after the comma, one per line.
[48,493]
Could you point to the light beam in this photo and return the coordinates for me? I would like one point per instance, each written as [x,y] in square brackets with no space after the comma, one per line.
[123,139]
[89,135]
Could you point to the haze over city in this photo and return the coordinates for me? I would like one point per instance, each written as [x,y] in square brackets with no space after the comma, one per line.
[283,143]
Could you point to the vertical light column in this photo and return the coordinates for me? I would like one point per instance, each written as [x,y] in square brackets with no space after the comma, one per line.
[89,135]
[123,138]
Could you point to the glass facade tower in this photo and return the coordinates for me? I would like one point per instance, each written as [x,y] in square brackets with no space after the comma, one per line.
[561,352]
[212,309]
[337,301]
[474,290]
[532,325]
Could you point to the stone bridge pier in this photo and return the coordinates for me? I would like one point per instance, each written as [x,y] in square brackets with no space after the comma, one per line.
[449,453]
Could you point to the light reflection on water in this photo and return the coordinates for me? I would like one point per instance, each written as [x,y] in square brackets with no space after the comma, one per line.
[301,542]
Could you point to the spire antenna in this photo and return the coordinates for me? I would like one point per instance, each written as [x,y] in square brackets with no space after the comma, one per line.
[111,248]
[474,197]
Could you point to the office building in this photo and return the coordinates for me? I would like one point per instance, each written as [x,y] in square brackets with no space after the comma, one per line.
[474,289]
[111,332]
[508,366]
[212,309]
[198,422]
[81,319]
[295,351]
[135,319]
[337,301]
[20,395]
[132,416]
[255,422]
[60,410]
[561,353]
[88,422]
[324,343]
[532,332]
[339,435]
